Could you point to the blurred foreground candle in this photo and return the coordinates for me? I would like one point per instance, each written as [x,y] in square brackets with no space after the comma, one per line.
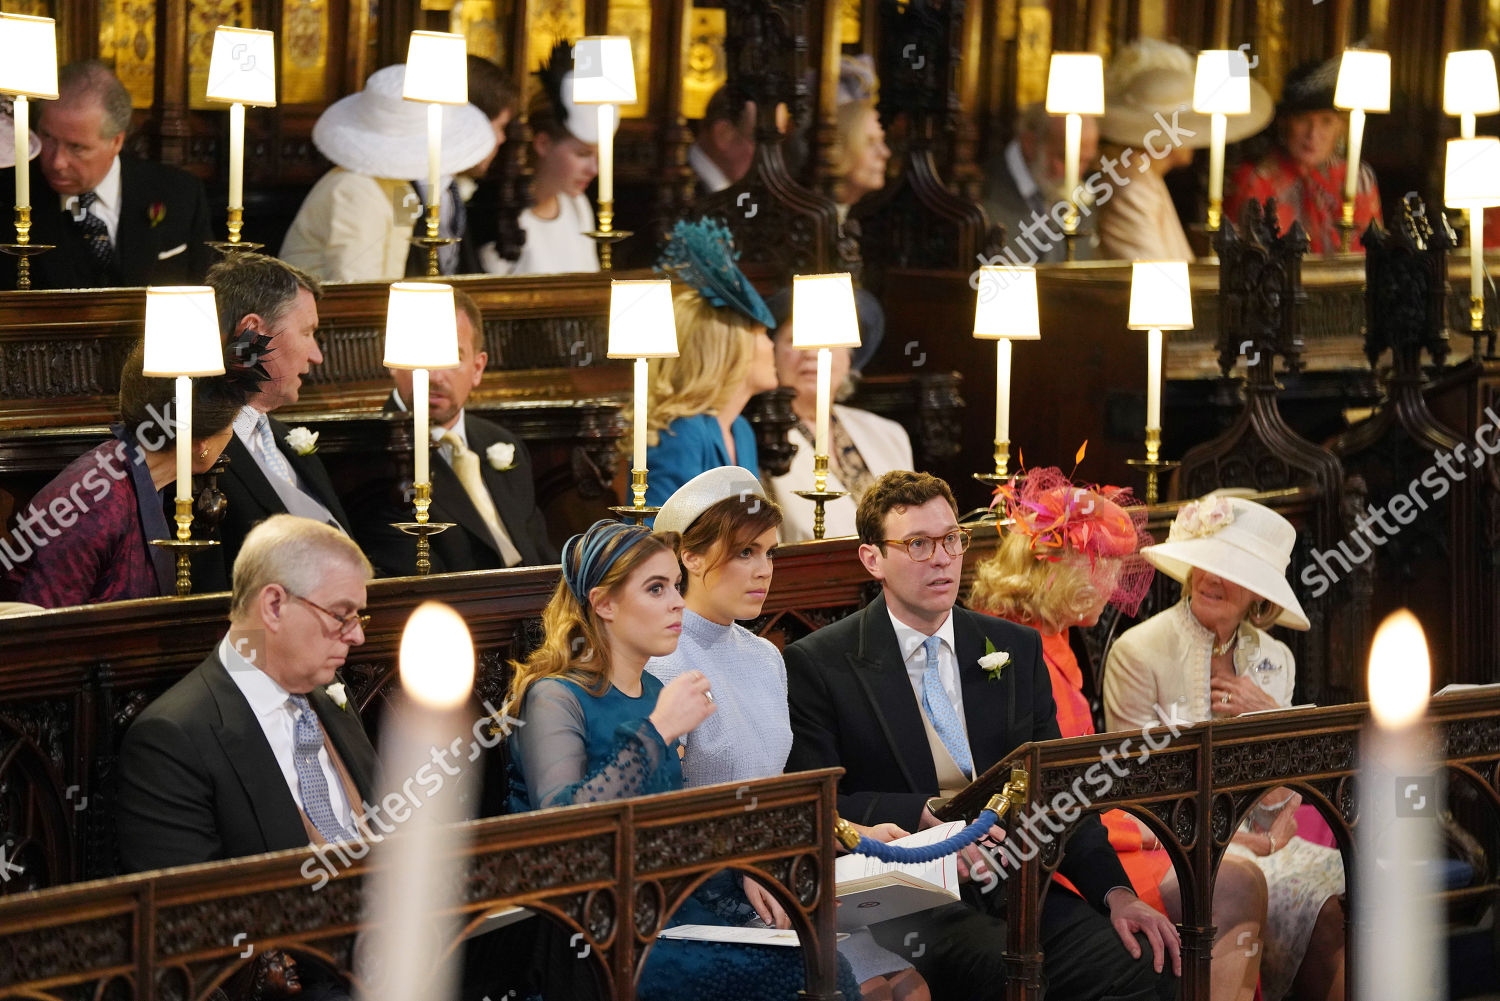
[182,341]
[1006,310]
[641,326]
[421,333]
[823,318]
[408,949]
[1398,919]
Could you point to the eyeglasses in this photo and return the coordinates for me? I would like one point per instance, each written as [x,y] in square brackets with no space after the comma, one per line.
[345,622]
[922,547]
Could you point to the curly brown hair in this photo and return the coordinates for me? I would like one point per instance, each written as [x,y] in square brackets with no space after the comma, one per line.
[900,488]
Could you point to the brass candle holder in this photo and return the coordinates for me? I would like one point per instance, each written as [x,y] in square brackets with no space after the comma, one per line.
[432,242]
[1002,466]
[23,249]
[234,245]
[606,236]
[638,511]
[1346,227]
[184,546]
[820,494]
[422,528]
[1153,464]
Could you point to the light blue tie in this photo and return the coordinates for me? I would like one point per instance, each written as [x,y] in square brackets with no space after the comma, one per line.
[311,782]
[275,461]
[940,711]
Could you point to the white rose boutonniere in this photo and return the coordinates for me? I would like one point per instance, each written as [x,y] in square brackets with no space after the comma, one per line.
[501,456]
[336,692]
[302,441]
[994,661]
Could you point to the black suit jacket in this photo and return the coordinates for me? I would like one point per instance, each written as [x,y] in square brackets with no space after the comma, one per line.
[852,706]
[146,252]
[198,781]
[468,545]
[251,498]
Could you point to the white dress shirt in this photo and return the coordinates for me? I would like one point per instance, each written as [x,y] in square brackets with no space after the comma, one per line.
[914,656]
[107,207]
[708,172]
[295,496]
[278,721]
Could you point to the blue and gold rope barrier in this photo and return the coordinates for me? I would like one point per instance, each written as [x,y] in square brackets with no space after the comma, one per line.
[999,805]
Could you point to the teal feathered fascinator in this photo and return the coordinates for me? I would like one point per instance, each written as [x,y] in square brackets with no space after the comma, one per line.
[703,254]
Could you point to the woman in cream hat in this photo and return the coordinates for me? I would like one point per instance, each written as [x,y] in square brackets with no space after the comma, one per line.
[1150,129]
[1209,656]
[728,530]
[357,221]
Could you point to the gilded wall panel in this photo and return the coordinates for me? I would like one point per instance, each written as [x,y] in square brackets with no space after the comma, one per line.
[849,21]
[704,67]
[203,17]
[304,52]
[1033,53]
[632,18]
[548,22]
[35,8]
[127,43]
[483,24]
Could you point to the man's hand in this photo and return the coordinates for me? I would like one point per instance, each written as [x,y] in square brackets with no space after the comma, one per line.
[971,864]
[765,905]
[1129,915]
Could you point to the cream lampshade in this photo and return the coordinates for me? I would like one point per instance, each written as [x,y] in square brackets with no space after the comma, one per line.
[1222,83]
[1007,304]
[1075,84]
[437,68]
[421,327]
[1160,296]
[242,68]
[641,323]
[1469,84]
[603,71]
[823,314]
[182,332]
[29,65]
[1364,81]
[1471,178]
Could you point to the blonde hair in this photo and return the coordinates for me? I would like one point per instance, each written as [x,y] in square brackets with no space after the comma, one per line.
[291,551]
[576,645]
[1050,595]
[846,124]
[715,346]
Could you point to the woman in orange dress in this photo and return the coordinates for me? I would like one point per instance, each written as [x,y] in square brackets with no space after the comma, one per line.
[1068,552]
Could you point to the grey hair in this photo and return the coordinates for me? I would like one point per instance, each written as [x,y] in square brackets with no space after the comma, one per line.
[255,283]
[90,78]
[293,552]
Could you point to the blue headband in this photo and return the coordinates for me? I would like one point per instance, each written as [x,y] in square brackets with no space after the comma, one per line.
[586,558]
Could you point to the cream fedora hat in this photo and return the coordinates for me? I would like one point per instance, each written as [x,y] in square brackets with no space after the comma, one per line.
[1244,542]
[378,133]
[1151,82]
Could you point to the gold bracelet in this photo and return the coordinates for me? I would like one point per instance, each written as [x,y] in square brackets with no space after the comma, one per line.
[1271,838]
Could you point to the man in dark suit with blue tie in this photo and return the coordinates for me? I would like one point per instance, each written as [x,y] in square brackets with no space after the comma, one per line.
[894,695]
[111,218]
[482,480]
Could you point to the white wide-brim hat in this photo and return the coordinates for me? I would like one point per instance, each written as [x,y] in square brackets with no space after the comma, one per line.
[378,133]
[1161,95]
[582,120]
[1239,540]
[8,138]
[704,491]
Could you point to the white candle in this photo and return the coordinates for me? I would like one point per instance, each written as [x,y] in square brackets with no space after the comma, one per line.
[405,951]
[184,433]
[236,155]
[606,152]
[1397,917]
[1002,389]
[1218,133]
[434,153]
[1466,124]
[419,418]
[1073,139]
[1153,379]
[23,150]
[825,377]
[639,430]
[1356,140]
[1476,255]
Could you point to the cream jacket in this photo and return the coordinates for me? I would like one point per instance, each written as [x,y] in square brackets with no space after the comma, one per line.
[353,228]
[1160,669]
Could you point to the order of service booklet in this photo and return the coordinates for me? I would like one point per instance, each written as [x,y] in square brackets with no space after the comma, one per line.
[870,890]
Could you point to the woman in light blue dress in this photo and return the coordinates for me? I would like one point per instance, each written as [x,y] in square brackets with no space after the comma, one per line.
[729,537]
[724,357]
[595,727]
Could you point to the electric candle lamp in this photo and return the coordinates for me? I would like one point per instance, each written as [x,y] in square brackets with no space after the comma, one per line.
[1397,920]
[241,71]
[421,333]
[641,326]
[1471,181]
[1160,299]
[27,70]
[1006,310]
[1470,88]
[182,341]
[1364,85]
[1075,87]
[823,318]
[604,75]
[437,72]
[1221,88]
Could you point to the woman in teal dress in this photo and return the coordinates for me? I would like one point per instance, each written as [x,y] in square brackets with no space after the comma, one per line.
[695,421]
[595,727]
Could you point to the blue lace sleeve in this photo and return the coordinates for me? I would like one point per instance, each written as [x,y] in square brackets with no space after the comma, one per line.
[555,753]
